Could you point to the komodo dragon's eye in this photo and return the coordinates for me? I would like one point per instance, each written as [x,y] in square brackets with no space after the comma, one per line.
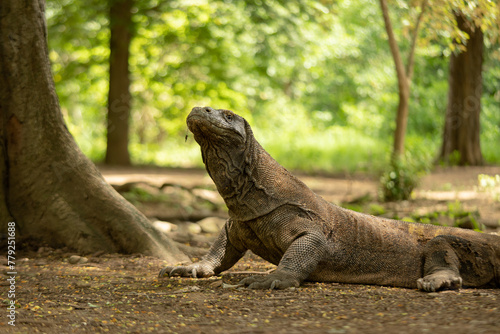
[229,117]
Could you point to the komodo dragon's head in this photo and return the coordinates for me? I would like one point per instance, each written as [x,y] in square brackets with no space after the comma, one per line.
[251,182]
[223,137]
[218,126]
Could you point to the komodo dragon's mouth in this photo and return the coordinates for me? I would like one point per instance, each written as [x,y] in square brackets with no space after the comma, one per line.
[203,128]
[200,122]
[194,123]
[209,128]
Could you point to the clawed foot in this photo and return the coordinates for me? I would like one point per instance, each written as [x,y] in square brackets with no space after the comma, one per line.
[198,270]
[440,280]
[195,270]
[271,281]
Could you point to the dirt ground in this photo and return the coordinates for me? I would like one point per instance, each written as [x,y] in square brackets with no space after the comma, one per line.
[122,294]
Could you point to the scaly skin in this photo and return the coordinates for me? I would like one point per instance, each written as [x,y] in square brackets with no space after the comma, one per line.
[279,218]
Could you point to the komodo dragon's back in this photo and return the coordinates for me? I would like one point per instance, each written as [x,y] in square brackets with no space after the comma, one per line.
[279,218]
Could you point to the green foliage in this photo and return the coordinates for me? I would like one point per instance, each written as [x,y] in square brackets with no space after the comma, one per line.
[137,194]
[376,209]
[292,134]
[78,42]
[490,104]
[315,81]
[490,184]
[399,180]
[455,216]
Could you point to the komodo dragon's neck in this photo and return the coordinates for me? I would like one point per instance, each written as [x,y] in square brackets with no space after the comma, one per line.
[253,184]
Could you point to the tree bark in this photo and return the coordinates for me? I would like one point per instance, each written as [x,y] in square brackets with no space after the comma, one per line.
[56,196]
[461,136]
[120,18]
[398,148]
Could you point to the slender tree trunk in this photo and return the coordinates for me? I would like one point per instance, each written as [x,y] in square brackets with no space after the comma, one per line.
[398,148]
[120,16]
[461,136]
[403,85]
[404,76]
[55,195]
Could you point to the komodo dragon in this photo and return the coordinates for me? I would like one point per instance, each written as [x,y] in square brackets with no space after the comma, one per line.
[280,219]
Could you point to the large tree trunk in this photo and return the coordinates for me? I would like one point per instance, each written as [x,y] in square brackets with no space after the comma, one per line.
[120,18]
[461,142]
[55,195]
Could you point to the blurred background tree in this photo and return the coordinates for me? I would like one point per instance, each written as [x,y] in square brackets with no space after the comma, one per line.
[314,78]
[121,31]
[404,73]
[461,136]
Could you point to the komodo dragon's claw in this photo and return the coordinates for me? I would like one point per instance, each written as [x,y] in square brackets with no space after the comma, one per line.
[195,270]
[272,281]
[162,273]
[165,272]
[439,281]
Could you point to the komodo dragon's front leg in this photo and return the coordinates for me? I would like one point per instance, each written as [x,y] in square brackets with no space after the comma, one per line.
[299,261]
[221,256]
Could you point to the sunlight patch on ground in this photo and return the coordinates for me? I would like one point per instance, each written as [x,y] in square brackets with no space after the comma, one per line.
[462,195]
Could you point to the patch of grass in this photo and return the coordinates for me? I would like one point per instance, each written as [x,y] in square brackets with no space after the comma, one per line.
[447,186]
[139,194]
[491,153]
[175,152]
[376,209]
[455,215]
[490,184]
[336,149]
[354,207]
[399,180]
[403,174]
